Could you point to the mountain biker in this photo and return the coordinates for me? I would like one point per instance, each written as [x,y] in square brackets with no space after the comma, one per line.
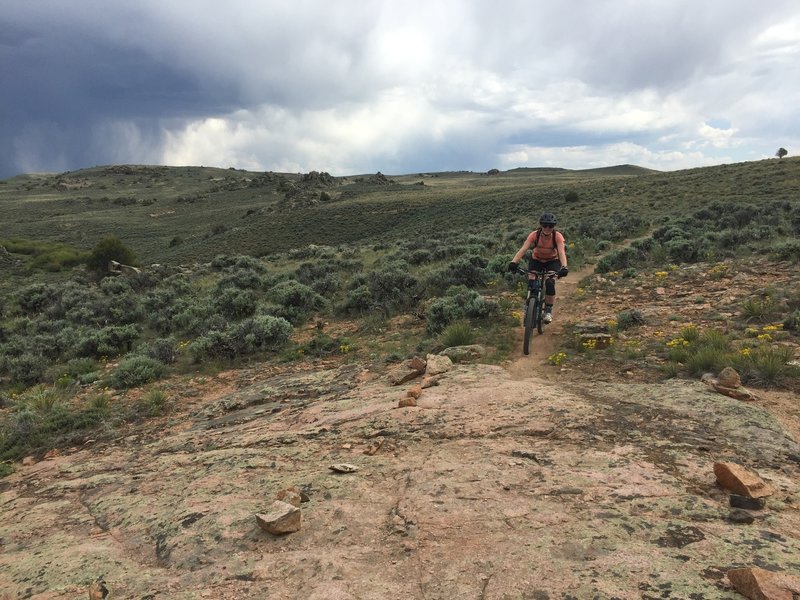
[548,254]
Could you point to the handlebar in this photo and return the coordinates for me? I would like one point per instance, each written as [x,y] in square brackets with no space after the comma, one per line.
[524,271]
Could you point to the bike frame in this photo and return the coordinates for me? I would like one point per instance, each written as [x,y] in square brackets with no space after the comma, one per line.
[534,304]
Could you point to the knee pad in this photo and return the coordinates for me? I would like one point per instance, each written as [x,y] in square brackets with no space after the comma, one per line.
[550,287]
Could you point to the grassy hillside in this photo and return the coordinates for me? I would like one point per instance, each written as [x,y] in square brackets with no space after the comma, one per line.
[190,214]
[240,266]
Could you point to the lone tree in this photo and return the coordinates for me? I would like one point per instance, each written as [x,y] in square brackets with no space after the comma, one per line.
[108,249]
[781,152]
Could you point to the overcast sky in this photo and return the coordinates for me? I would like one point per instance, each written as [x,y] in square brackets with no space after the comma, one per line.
[397,86]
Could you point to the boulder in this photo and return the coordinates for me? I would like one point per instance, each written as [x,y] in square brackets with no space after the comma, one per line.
[437,364]
[464,353]
[408,370]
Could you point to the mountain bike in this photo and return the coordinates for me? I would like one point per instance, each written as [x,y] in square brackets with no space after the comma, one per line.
[533,318]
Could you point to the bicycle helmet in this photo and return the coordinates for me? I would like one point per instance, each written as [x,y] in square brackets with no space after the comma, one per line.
[547,219]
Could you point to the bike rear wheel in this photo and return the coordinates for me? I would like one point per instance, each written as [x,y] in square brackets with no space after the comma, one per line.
[530,324]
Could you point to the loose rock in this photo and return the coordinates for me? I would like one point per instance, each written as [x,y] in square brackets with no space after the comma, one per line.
[437,364]
[290,495]
[740,480]
[464,353]
[283,518]
[747,502]
[406,402]
[760,584]
[729,378]
[414,391]
[343,468]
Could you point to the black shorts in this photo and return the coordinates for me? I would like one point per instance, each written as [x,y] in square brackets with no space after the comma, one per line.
[549,265]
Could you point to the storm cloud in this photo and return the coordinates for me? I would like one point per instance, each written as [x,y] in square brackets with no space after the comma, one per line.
[355,87]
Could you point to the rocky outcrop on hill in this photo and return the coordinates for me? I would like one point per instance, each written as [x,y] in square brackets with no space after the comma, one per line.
[487,487]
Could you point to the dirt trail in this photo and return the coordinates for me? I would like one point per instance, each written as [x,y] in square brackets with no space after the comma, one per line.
[542,346]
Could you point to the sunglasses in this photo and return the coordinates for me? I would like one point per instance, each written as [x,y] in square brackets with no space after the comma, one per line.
[547,225]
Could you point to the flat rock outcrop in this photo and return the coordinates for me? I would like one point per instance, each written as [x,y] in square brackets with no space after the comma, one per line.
[492,487]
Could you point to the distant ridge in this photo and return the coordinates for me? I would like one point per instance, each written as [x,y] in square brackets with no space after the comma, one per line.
[615,170]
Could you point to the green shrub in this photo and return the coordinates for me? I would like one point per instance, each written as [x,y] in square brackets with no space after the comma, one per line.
[296,300]
[621,258]
[706,359]
[468,271]
[683,250]
[459,333]
[768,365]
[57,257]
[792,322]
[41,398]
[392,286]
[420,256]
[459,303]
[108,249]
[234,303]
[154,403]
[107,341]
[26,368]
[263,332]
[787,251]
[163,350]
[761,309]
[240,277]
[34,298]
[690,333]
[135,371]
[630,318]
[357,301]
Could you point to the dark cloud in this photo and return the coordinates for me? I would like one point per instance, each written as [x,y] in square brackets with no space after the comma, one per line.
[379,85]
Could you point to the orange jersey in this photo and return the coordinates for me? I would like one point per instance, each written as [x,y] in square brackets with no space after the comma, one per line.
[546,245]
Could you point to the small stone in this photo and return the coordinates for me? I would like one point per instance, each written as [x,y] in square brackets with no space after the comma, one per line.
[729,378]
[283,518]
[290,495]
[28,461]
[374,447]
[343,468]
[429,382]
[406,402]
[740,516]
[98,589]
[747,502]
[414,392]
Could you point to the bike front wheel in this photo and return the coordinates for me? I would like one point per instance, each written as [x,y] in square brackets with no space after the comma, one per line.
[530,325]
[539,317]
